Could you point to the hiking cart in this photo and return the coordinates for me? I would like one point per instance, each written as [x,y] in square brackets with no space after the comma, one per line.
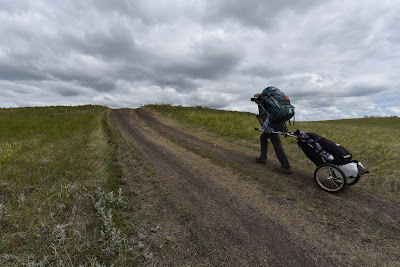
[335,167]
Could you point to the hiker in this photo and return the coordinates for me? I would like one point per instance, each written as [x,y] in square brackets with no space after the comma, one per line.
[268,128]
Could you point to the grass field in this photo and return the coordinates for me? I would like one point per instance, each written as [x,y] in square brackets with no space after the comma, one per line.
[373,141]
[62,199]
[59,187]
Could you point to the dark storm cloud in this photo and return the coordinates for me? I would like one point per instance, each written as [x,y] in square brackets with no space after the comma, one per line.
[66,91]
[255,13]
[365,90]
[116,42]
[19,72]
[262,71]
[178,82]
[323,54]
[99,83]
[209,63]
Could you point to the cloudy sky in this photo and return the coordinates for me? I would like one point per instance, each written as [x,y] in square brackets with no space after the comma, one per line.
[334,59]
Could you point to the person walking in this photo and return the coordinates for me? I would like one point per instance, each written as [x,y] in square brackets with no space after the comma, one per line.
[268,129]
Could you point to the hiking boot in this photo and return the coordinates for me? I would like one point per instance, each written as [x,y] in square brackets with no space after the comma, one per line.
[261,160]
[284,170]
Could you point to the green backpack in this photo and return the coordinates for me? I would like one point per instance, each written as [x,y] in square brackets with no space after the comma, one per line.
[279,107]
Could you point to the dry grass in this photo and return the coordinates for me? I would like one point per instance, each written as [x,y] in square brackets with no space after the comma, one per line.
[60,201]
[60,179]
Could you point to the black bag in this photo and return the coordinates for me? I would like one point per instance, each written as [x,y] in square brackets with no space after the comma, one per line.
[311,153]
[341,155]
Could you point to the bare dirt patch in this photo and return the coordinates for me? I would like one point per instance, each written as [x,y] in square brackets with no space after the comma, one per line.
[214,205]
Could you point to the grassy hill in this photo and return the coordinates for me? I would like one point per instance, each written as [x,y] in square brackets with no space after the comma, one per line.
[61,196]
[373,141]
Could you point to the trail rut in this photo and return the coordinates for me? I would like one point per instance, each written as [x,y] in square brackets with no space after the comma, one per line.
[245,214]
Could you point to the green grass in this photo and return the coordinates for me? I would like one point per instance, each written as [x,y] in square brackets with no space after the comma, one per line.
[64,144]
[61,201]
[59,180]
[373,141]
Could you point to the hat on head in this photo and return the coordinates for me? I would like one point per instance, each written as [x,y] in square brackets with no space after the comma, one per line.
[257,95]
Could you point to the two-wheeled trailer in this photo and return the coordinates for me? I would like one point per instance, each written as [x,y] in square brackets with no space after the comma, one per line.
[329,177]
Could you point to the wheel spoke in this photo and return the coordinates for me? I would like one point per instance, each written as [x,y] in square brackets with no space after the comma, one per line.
[330,178]
[335,183]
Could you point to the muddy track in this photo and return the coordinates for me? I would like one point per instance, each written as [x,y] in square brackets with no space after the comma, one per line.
[259,217]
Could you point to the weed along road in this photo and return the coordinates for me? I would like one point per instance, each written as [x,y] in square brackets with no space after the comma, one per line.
[209,204]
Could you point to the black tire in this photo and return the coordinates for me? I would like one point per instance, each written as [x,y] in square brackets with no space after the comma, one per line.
[330,178]
[352,180]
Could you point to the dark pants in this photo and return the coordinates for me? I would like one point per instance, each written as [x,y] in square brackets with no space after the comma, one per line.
[276,143]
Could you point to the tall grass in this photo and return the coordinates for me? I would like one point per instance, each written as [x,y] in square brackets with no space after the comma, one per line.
[59,187]
[55,143]
[373,141]
[229,124]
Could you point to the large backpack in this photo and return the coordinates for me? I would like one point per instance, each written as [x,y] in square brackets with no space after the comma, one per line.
[279,107]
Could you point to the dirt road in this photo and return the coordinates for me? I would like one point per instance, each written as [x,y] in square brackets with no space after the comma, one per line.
[212,205]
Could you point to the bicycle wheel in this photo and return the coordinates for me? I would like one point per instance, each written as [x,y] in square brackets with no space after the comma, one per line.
[330,178]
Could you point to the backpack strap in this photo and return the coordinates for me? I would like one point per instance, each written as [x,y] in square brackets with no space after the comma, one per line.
[266,122]
[263,109]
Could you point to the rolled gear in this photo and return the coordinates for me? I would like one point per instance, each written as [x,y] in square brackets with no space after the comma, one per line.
[317,147]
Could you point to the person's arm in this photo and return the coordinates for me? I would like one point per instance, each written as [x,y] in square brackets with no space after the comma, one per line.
[265,123]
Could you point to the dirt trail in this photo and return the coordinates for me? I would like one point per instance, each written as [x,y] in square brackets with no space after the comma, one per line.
[258,217]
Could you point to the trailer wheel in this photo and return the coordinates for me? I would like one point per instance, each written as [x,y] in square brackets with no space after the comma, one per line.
[330,178]
[352,180]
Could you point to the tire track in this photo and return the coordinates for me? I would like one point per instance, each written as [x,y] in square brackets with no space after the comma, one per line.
[356,199]
[237,219]
[228,221]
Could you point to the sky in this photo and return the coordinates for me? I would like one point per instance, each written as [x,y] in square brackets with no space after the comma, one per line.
[334,59]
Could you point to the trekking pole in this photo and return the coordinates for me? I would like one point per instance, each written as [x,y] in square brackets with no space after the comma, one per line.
[285,134]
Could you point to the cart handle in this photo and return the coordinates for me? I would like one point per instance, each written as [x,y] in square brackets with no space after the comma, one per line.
[285,134]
